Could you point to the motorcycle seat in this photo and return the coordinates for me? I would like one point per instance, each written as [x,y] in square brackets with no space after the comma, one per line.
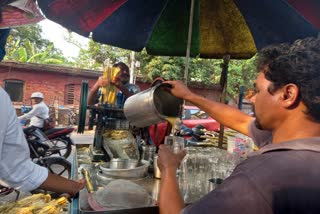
[58,131]
[29,129]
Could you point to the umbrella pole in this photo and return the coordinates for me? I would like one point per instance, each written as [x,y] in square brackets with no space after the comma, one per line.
[132,61]
[241,95]
[223,84]
[186,70]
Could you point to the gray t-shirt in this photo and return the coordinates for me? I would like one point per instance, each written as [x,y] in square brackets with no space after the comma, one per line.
[259,137]
[278,178]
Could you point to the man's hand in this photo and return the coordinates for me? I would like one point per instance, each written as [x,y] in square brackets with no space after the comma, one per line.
[170,200]
[179,89]
[102,82]
[77,186]
[56,183]
[117,82]
[167,161]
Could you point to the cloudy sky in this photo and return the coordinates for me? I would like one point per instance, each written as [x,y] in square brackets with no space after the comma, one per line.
[56,33]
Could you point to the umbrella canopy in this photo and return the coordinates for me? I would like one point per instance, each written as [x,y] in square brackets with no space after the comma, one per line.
[17,13]
[220,27]
[309,9]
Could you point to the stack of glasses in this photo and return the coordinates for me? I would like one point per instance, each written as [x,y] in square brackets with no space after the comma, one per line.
[203,169]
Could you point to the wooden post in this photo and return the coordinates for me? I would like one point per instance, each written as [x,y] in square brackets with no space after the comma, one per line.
[223,84]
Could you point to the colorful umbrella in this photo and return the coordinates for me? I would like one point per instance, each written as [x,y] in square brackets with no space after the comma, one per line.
[209,28]
[220,27]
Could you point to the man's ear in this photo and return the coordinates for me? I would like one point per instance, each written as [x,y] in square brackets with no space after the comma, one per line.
[290,94]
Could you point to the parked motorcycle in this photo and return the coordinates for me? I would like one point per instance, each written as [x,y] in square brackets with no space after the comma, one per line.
[57,135]
[41,151]
[199,136]
[44,147]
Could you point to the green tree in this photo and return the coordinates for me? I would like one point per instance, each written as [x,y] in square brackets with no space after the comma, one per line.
[25,44]
[94,56]
[241,73]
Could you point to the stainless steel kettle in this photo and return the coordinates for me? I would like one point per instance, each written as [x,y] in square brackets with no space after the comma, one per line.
[152,106]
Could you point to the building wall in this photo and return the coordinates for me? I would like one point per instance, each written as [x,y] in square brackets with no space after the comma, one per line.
[51,84]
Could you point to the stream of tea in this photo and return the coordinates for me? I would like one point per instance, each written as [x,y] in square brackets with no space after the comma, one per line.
[173,121]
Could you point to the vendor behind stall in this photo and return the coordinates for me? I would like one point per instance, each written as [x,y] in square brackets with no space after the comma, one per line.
[121,81]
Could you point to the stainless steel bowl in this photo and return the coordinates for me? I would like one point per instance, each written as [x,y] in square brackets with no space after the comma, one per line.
[118,163]
[125,168]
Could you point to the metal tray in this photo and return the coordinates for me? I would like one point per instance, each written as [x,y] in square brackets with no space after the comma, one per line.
[80,204]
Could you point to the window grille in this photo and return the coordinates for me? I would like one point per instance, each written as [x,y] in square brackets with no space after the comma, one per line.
[69,94]
[15,89]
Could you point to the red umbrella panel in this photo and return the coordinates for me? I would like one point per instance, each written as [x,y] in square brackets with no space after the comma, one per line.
[81,16]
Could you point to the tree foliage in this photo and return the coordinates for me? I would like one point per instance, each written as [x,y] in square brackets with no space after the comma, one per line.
[25,44]
[95,55]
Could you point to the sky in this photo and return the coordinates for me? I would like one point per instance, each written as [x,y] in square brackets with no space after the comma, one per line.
[56,33]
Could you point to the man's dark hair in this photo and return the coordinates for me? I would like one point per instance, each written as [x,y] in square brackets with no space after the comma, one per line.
[270,53]
[122,66]
[301,66]
[309,43]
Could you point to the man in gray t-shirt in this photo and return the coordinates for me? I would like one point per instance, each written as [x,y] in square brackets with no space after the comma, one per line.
[282,176]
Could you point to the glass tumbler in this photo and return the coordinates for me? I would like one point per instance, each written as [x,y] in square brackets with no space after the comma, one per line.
[174,143]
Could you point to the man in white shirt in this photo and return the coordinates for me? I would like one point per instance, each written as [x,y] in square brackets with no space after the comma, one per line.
[16,168]
[39,112]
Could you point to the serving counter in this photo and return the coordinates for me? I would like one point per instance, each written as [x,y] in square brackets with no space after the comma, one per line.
[193,179]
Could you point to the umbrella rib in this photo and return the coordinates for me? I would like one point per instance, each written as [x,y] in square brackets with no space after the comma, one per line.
[186,70]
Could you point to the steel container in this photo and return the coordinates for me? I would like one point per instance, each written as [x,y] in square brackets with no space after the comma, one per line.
[152,106]
[148,152]
[125,168]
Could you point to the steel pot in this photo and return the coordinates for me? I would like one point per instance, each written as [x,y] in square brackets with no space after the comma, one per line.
[152,106]
[125,168]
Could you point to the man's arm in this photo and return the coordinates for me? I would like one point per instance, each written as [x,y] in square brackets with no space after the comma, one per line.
[93,93]
[170,200]
[124,89]
[60,184]
[33,113]
[224,114]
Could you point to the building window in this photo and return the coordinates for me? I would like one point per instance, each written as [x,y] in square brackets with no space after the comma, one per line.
[15,89]
[69,94]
